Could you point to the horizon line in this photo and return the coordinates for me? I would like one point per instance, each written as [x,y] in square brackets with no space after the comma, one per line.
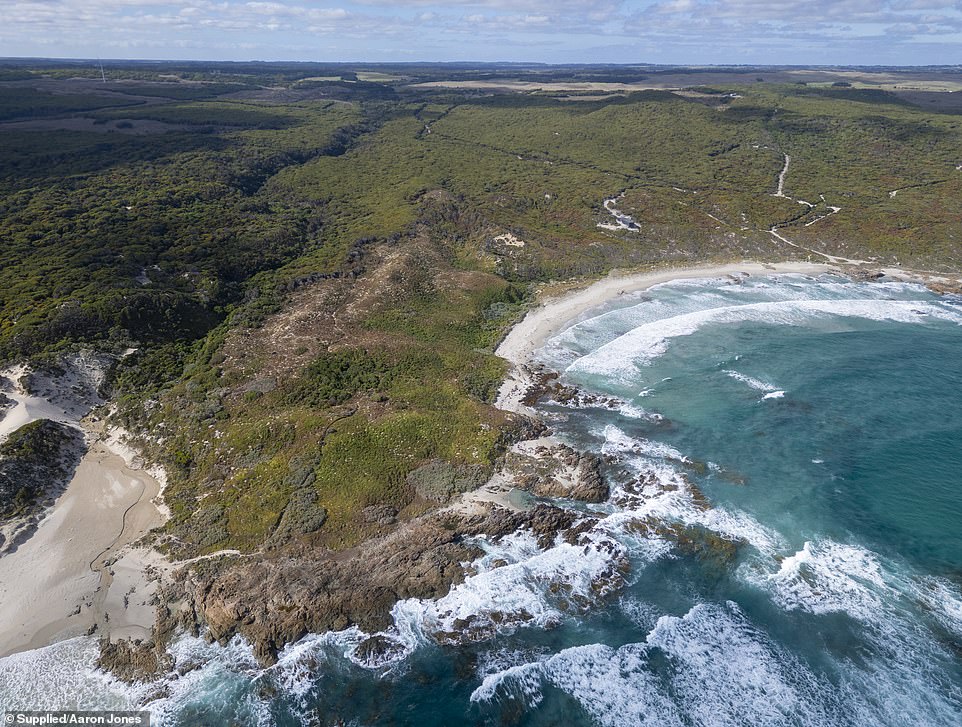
[628,64]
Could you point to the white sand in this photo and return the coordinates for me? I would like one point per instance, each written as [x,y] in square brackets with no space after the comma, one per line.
[26,408]
[61,566]
[553,314]
[62,580]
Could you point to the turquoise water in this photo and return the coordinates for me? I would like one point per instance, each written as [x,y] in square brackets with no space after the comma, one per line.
[803,433]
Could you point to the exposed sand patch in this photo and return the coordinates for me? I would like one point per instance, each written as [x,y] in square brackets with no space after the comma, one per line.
[780,190]
[55,585]
[511,240]
[76,572]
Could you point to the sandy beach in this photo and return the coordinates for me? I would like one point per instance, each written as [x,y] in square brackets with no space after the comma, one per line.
[58,583]
[76,572]
[553,314]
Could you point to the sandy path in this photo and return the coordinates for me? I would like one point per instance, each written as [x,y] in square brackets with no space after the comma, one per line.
[780,190]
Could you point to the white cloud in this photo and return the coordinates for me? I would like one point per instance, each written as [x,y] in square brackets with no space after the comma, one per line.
[700,28]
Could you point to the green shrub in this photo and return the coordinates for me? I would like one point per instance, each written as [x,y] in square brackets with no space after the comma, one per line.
[334,377]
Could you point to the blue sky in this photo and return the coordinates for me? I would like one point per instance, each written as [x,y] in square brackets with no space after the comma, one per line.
[856,32]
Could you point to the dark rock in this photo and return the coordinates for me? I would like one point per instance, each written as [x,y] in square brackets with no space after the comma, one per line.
[276,599]
[559,471]
[133,661]
[378,649]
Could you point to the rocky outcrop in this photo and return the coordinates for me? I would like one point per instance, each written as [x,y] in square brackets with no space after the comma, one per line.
[275,599]
[557,470]
[133,661]
[944,286]
[546,387]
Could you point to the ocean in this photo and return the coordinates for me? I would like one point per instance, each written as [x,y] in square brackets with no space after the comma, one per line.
[782,546]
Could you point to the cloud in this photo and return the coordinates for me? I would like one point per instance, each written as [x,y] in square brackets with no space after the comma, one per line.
[817,23]
[828,31]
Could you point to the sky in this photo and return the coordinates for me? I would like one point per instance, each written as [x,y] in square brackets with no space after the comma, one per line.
[791,32]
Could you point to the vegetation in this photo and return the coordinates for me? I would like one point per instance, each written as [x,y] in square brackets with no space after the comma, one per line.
[16,102]
[315,262]
[35,460]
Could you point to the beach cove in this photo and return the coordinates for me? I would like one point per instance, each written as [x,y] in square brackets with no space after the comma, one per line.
[675,514]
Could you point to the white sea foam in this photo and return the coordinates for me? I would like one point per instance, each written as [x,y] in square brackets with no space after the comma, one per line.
[210,675]
[723,670]
[630,411]
[756,384]
[523,680]
[943,600]
[826,576]
[500,659]
[679,297]
[62,676]
[713,667]
[535,587]
[643,614]
[727,672]
[771,391]
[612,685]
[617,442]
[678,505]
[901,681]
[620,358]
[720,671]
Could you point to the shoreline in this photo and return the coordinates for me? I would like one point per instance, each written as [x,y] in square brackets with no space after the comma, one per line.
[78,571]
[81,572]
[552,314]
